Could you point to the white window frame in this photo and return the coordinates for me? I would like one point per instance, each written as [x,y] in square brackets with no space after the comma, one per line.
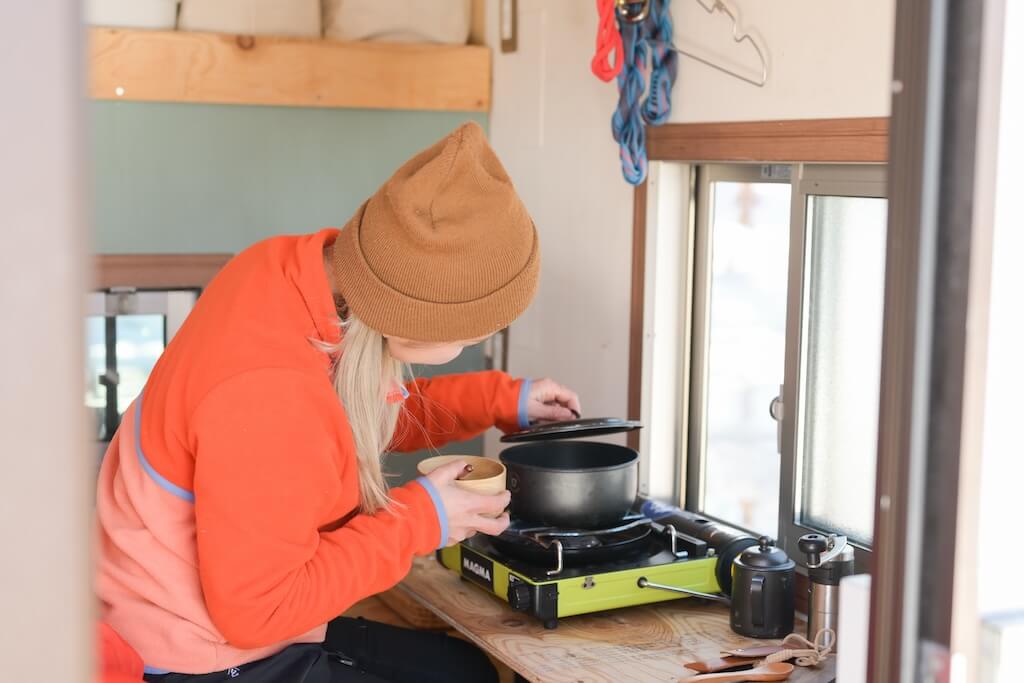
[696,416]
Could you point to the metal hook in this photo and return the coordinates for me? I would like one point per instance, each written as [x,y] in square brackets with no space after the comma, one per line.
[645,8]
[737,38]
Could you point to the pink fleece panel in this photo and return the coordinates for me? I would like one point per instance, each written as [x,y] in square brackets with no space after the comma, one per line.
[147,577]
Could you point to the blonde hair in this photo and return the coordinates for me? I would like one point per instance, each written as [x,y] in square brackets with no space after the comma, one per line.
[364,373]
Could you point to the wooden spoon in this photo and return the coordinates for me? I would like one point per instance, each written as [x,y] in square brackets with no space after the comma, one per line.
[767,672]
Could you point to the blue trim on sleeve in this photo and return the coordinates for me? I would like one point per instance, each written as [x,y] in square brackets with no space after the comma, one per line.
[164,483]
[404,390]
[524,400]
[154,670]
[442,516]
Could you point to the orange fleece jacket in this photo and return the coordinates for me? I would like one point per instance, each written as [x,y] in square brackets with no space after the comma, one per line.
[239,417]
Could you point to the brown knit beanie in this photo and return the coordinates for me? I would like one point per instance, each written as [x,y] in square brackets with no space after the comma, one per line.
[445,250]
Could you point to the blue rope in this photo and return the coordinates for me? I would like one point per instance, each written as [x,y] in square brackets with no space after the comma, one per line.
[653,35]
[627,123]
[664,64]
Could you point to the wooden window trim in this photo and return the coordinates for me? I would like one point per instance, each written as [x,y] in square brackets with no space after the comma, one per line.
[855,140]
[157,271]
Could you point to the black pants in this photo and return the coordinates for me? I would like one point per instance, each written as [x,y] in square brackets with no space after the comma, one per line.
[360,651]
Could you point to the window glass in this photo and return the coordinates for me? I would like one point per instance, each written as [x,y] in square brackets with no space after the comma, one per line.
[842,362]
[140,341]
[95,366]
[749,230]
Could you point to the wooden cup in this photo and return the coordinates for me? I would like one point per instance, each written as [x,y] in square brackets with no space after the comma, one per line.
[487,477]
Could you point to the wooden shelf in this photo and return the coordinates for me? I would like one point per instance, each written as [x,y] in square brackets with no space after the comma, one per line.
[179,66]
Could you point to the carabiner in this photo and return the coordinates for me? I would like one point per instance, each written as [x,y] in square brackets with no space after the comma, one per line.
[621,7]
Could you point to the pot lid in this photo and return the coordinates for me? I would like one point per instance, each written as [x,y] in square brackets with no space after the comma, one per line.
[591,426]
[764,556]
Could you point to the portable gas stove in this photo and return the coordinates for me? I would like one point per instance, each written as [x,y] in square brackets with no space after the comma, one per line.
[553,573]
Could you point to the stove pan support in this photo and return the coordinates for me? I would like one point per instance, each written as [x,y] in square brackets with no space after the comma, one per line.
[547,537]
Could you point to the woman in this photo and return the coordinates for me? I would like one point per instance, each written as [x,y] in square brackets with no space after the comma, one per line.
[242,505]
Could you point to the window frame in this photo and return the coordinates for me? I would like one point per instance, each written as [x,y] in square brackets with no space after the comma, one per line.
[109,304]
[805,180]
[694,450]
[833,180]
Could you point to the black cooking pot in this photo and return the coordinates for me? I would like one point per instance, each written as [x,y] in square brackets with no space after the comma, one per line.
[571,484]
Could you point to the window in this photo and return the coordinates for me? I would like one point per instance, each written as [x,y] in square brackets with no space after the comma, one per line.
[126,331]
[833,354]
[842,293]
[741,323]
[786,340]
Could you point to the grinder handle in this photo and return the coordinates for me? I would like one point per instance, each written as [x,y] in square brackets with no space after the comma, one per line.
[757,598]
[813,545]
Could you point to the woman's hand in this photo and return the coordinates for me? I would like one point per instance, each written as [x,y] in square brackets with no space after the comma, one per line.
[549,401]
[466,510]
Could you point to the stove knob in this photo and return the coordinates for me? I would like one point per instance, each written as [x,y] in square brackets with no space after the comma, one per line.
[519,596]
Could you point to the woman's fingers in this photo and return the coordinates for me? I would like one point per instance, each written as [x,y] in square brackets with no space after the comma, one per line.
[446,473]
[490,505]
[492,526]
[550,412]
[546,392]
[468,512]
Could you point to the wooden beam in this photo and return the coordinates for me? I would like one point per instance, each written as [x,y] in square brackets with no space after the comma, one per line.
[478,23]
[634,397]
[157,271]
[179,66]
[813,140]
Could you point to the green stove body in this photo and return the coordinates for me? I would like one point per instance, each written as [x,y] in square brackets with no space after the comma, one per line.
[537,581]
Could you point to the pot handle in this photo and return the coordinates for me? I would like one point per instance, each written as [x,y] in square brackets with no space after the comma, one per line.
[757,597]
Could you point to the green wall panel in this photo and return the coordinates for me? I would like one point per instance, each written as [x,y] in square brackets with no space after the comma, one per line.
[212,178]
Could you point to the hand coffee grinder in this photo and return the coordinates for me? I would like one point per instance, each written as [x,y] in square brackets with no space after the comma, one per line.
[829,558]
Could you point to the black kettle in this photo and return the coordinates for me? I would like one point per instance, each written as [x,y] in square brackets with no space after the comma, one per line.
[762,591]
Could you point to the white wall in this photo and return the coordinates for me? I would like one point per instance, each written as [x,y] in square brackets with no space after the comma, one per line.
[46,629]
[1002,468]
[550,123]
[550,126]
[826,59]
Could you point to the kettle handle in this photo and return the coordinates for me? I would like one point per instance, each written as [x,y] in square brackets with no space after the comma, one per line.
[757,599]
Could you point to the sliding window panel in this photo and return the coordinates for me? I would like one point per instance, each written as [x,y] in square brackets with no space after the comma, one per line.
[140,342]
[834,353]
[739,343]
[843,362]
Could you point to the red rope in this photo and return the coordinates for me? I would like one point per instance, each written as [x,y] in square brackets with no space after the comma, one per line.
[608,40]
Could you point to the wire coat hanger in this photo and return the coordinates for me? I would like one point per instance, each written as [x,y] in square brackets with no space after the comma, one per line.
[737,38]
[718,5]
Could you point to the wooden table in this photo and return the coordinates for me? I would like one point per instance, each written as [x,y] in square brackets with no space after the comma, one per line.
[648,643]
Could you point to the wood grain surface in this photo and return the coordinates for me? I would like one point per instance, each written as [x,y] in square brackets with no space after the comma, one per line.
[180,66]
[648,644]
[822,140]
